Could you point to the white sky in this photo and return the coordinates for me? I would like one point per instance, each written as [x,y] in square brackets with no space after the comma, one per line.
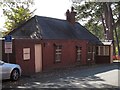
[49,8]
[53,8]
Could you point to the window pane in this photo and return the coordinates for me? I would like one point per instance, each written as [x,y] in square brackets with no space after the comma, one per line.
[79,50]
[57,57]
[26,53]
[106,50]
[89,53]
[101,50]
[58,50]
[97,51]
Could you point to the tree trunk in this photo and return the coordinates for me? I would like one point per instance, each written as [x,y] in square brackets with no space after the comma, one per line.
[105,12]
[112,25]
[109,23]
[117,42]
[103,23]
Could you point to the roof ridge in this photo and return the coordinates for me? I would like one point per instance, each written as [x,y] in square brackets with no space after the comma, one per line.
[50,18]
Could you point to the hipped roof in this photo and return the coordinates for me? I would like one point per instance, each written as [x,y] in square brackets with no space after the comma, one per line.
[51,28]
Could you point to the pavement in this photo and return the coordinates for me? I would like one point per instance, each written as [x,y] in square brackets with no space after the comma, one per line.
[116,61]
[105,76]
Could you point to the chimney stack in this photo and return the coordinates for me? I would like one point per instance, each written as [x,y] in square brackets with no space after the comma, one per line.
[70,16]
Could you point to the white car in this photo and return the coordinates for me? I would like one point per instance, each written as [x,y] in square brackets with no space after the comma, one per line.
[9,71]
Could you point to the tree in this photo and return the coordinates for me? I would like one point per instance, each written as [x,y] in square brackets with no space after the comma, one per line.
[103,14]
[0,34]
[16,12]
[96,30]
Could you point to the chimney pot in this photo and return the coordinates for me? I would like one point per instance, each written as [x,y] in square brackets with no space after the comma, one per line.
[70,16]
[72,9]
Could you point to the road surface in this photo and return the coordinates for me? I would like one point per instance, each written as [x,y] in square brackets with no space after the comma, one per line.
[98,76]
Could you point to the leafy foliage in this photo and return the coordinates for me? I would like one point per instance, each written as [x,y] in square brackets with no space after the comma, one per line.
[93,12]
[96,30]
[0,34]
[16,13]
[103,19]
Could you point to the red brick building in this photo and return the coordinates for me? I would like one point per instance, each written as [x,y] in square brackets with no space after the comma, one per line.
[44,43]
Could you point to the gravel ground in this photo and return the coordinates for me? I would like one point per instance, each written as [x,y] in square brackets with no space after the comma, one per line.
[89,77]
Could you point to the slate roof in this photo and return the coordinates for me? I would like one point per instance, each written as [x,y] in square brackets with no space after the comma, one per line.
[51,28]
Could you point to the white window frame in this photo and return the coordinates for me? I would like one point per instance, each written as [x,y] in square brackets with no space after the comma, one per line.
[105,48]
[79,53]
[26,53]
[58,53]
[89,53]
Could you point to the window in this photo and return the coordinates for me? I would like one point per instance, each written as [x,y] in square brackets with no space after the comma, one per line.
[26,53]
[79,50]
[89,53]
[93,56]
[103,50]
[58,52]
[107,50]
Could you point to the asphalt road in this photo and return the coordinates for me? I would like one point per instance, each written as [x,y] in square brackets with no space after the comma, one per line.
[98,76]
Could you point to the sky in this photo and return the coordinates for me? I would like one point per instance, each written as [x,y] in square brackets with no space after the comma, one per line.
[49,8]
[53,8]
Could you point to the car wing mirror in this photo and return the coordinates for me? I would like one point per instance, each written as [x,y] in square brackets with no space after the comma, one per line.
[1,63]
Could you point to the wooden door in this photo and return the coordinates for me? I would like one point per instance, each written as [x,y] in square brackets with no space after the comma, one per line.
[38,58]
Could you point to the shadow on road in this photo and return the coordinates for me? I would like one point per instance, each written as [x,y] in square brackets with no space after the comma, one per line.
[77,77]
